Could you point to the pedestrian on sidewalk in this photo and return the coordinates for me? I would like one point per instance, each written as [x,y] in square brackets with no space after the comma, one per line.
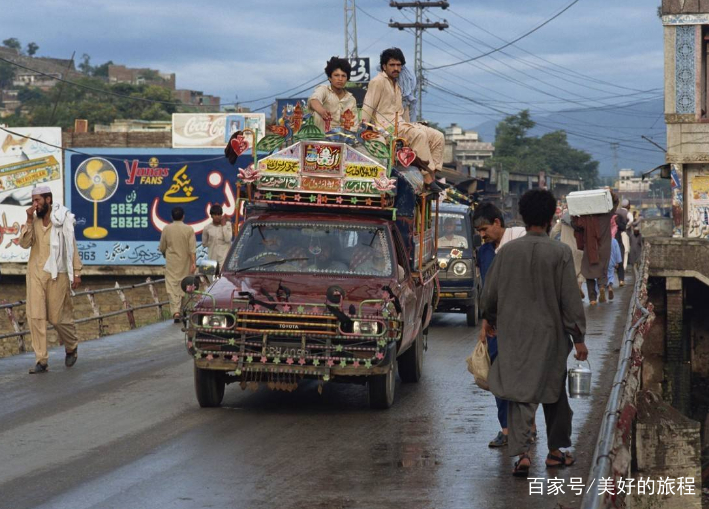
[593,237]
[216,236]
[53,268]
[615,263]
[179,247]
[490,224]
[565,231]
[531,297]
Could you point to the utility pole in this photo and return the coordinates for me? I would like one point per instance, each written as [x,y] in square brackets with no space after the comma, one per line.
[614,148]
[419,26]
[350,29]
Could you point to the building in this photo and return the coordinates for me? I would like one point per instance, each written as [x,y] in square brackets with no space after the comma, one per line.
[140,76]
[628,183]
[43,72]
[466,147]
[197,98]
[131,126]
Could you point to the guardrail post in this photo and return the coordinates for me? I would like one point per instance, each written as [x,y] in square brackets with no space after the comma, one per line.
[156,298]
[15,326]
[126,306]
[96,312]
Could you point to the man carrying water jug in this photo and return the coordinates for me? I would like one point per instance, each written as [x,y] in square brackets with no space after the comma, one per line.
[532,297]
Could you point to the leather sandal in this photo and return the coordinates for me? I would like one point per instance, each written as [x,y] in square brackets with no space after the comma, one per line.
[565,460]
[522,470]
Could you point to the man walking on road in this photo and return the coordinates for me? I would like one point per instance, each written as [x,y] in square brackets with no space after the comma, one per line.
[179,247]
[54,266]
[216,236]
[531,295]
[490,224]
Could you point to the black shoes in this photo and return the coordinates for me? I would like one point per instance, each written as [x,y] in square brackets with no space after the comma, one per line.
[71,357]
[39,368]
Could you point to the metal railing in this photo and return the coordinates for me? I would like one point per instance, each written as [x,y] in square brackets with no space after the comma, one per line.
[128,309]
[612,456]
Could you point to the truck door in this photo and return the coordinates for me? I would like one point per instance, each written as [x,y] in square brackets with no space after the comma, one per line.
[406,291]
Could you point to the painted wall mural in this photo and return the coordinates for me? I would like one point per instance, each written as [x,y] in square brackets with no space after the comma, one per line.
[25,164]
[698,203]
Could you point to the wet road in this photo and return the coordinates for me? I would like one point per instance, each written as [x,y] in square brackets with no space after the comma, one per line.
[122,429]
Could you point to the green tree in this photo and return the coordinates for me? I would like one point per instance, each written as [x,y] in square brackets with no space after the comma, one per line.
[85,64]
[7,75]
[101,71]
[516,151]
[32,48]
[13,43]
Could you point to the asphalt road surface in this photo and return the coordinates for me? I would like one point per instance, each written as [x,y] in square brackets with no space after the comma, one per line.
[122,429]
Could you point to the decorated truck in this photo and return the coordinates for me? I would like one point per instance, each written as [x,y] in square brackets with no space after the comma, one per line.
[332,275]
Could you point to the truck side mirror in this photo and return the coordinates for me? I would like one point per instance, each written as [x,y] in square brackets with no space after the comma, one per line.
[207,267]
[477,241]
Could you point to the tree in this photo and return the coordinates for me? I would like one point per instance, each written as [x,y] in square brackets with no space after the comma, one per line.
[85,64]
[516,151]
[101,71]
[7,75]
[13,43]
[32,48]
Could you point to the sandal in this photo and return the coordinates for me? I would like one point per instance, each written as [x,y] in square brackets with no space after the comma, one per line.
[562,460]
[522,470]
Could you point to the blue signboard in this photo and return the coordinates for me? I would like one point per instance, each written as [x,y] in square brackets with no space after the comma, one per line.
[123,198]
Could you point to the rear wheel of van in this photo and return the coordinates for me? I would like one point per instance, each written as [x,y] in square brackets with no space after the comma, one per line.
[209,386]
[382,389]
[411,361]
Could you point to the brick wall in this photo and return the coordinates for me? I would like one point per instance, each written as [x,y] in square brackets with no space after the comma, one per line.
[161,139]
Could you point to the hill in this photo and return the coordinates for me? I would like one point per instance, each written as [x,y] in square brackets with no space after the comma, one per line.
[594,129]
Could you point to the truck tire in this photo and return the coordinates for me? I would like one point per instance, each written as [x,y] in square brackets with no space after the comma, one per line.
[382,389]
[209,387]
[411,361]
[472,313]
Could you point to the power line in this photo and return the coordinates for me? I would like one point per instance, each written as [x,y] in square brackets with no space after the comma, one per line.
[419,26]
[585,76]
[74,151]
[494,50]
[144,99]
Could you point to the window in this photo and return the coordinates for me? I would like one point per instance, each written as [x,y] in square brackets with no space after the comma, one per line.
[314,248]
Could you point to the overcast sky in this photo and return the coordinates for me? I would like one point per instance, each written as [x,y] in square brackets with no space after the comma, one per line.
[257,48]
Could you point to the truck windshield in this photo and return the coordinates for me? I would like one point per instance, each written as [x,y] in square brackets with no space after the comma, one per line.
[453,231]
[318,248]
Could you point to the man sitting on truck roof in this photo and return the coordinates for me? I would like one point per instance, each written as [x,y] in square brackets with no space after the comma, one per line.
[329,102]
[383,106]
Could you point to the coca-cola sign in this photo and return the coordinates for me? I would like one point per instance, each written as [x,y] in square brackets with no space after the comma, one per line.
[207,130]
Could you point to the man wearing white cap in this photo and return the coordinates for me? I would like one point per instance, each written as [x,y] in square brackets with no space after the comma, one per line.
[53,267]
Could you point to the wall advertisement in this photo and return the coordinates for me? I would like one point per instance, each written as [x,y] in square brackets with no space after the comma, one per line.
[25,164]
[213,130]
[123,198]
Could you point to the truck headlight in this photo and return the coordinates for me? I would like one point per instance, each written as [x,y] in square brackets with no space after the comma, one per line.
[214,321]
[459,269]
[366,328]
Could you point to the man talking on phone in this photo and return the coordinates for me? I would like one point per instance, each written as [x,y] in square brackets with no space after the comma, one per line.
[53,268]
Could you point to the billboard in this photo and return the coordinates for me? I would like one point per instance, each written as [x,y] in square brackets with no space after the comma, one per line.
[212,130]
[25,164]
[122,198]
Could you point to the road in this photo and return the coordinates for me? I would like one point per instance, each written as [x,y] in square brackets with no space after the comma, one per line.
[122,429]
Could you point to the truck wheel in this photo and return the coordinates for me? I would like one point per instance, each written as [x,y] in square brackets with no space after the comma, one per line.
[209,386]
[472,314]
[411,361]
[382,389]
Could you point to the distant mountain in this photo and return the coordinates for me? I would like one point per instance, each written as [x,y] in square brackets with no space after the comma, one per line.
[594,129]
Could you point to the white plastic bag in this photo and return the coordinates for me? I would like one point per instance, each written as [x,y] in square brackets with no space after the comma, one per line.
[479,365]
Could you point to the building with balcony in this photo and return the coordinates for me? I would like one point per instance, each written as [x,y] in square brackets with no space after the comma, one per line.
[466,148]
